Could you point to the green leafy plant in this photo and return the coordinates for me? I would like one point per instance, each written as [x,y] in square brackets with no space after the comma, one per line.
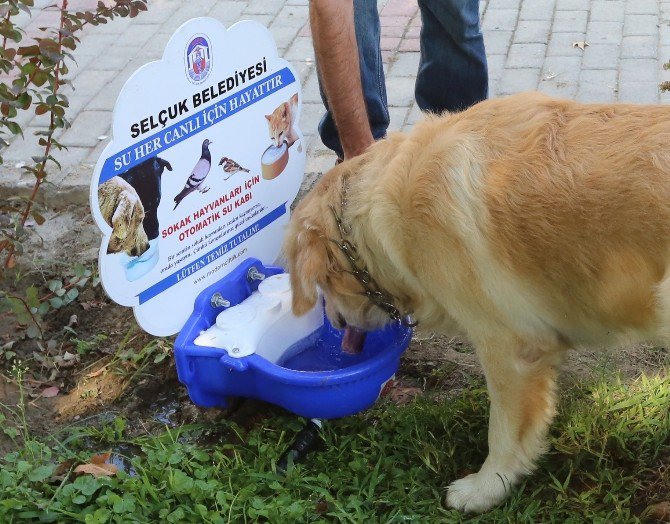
[33,74]
[29,309]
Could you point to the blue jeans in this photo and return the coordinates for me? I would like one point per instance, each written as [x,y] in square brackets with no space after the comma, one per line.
[452,74]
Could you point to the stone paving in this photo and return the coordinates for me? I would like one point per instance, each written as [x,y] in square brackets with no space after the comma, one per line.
[530,44]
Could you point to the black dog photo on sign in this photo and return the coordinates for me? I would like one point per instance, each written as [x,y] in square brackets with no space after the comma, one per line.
[146,179]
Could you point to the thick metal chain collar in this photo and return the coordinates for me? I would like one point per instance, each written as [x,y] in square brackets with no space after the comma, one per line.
[375,293]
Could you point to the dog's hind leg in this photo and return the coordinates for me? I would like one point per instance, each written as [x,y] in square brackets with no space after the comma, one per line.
[521,382]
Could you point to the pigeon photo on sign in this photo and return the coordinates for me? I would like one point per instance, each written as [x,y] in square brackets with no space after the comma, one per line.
[198,174]
[173,223]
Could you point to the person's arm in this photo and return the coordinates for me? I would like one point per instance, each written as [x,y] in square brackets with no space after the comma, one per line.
[334,35]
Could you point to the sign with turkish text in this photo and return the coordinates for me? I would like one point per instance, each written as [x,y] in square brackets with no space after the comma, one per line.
[205,160]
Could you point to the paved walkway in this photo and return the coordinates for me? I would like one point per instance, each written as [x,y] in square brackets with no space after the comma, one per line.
[530,45]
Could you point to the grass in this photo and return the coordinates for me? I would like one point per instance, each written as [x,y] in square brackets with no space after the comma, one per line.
[609,446]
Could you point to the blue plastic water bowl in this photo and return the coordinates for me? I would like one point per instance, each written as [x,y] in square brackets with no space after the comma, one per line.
[315,380]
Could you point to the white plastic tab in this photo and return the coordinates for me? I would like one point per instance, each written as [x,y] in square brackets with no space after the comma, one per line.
[263,324]
[276,286]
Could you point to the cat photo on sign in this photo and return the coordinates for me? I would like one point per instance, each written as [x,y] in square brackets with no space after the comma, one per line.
[282,121]
[281,124]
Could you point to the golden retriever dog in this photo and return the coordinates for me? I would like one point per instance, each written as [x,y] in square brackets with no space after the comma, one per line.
[122,209]
[531,225]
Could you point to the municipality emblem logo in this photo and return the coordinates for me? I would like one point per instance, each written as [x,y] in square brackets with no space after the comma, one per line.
[198,59]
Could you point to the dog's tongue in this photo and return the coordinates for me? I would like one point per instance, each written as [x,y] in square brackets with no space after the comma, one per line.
[353,340]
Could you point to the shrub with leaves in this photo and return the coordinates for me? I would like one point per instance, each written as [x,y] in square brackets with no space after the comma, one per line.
[33,70]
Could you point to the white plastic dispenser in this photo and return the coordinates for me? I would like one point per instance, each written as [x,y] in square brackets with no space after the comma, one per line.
[263,323]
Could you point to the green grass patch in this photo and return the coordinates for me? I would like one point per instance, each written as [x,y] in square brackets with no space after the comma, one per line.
[391,464]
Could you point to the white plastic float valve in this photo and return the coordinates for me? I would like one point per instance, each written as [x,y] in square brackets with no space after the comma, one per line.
[263,323]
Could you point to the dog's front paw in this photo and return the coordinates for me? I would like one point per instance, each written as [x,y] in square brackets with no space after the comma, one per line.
[477,492]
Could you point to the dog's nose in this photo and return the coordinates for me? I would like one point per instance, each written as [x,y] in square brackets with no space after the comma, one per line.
[133,252]
[341,323]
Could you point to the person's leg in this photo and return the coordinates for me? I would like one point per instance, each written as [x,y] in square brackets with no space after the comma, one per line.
[453,73]
[372,77]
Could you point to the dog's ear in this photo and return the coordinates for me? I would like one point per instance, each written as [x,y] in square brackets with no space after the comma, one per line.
[122,216]
[138,214]
[164,163]
[308,256]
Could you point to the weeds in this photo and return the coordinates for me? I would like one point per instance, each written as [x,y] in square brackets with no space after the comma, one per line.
[32,76]
[390,464]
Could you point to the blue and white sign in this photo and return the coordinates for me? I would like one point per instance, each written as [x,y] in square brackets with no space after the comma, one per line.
[205,160]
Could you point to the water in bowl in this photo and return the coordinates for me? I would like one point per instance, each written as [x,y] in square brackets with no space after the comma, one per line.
[321,351]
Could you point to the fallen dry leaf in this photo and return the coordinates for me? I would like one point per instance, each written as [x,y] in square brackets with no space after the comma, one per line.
[97,467]
[50,392]
[581,44]
[387,388]
[90,304]
[97,470]
[67,360]
[659,511]
[399,395]
[97,373]
[61,470]
[100,458]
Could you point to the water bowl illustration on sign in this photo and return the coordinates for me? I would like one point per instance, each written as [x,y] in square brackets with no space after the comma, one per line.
[242,340]
[274,161]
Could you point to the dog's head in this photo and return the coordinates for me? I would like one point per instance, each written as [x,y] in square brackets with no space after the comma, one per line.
[315,261]
[123,211]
